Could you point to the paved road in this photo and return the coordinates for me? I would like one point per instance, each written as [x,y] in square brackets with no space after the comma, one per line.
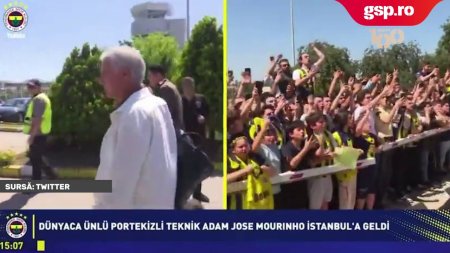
[16,142]
[211,187]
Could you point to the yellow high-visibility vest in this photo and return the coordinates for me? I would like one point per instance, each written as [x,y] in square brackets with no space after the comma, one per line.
[414,123]
[303,74]
[258,194]
[348,174]
[372,147]
[46,122]
[329,142]
[256,126]
[339,142]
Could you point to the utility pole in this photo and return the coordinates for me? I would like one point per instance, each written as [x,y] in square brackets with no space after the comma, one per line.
[187,20]
[292,32]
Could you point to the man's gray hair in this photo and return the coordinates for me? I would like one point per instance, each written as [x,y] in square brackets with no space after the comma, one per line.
[128,58]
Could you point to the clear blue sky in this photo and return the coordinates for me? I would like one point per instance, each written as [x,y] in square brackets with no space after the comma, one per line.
[260,28]
[55,27]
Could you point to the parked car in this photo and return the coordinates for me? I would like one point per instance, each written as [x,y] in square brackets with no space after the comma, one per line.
[13,110]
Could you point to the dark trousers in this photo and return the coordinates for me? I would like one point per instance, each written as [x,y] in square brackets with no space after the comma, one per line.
[405,174]
[294,195]
[201,131]
[444,155]
[278,201]
[37,152]
[384,163]
[425,150]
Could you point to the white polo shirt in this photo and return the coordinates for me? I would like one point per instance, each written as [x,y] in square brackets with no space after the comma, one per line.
[357,114]
[139,155]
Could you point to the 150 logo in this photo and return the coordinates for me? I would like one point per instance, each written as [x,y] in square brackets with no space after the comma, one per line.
[384,38]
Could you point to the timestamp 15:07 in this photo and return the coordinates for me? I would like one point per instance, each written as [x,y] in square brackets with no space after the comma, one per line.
[5,245]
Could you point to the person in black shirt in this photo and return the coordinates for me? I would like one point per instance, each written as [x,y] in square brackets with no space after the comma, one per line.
[366,177]
[195,114]
[297,153]
[195,108]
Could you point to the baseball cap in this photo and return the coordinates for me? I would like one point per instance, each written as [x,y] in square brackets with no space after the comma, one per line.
[34,83]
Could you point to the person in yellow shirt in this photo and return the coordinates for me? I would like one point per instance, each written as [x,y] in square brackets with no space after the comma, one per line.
[346,179]
[38,124]
[246,165]
[320,189]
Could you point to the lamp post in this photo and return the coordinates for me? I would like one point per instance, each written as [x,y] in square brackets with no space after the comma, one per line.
[292,31]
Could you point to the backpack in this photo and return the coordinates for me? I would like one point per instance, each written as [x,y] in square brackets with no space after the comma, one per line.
[193,166]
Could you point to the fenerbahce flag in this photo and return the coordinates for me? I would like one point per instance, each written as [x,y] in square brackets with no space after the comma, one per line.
[259,191]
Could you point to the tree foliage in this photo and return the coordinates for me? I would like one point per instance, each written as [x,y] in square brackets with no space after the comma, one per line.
[405,57]
[202,59]
[442,56]
[159,48]
[80,110]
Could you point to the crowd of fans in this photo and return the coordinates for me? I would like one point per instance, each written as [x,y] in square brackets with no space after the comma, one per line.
[290,128]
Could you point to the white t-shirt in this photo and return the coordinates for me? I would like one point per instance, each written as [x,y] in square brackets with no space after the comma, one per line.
[357,114]
[296,75]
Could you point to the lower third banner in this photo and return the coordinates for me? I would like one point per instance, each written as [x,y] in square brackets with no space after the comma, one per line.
[41,230]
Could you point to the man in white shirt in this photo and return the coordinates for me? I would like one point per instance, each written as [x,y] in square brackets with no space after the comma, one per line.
[365,102]
[139,150]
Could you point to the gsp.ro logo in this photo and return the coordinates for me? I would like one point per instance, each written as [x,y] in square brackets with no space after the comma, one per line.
[16,227]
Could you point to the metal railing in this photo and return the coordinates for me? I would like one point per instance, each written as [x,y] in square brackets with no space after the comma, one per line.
[294,176]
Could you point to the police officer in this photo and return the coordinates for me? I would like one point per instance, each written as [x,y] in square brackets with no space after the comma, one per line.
[38,124]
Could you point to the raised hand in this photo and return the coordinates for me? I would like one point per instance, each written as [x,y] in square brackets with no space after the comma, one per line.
[436,71]
[279,77]
[255,93]
[310,144]
[447,75]
[337,74]
[388,78]
[399,102]
[376,78]
[396,72]
[246,78]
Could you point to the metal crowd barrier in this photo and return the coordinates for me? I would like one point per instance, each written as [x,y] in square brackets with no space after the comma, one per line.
[294,176]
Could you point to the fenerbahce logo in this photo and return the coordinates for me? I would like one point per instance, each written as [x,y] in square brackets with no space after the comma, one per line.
[16,227]
[15,17]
